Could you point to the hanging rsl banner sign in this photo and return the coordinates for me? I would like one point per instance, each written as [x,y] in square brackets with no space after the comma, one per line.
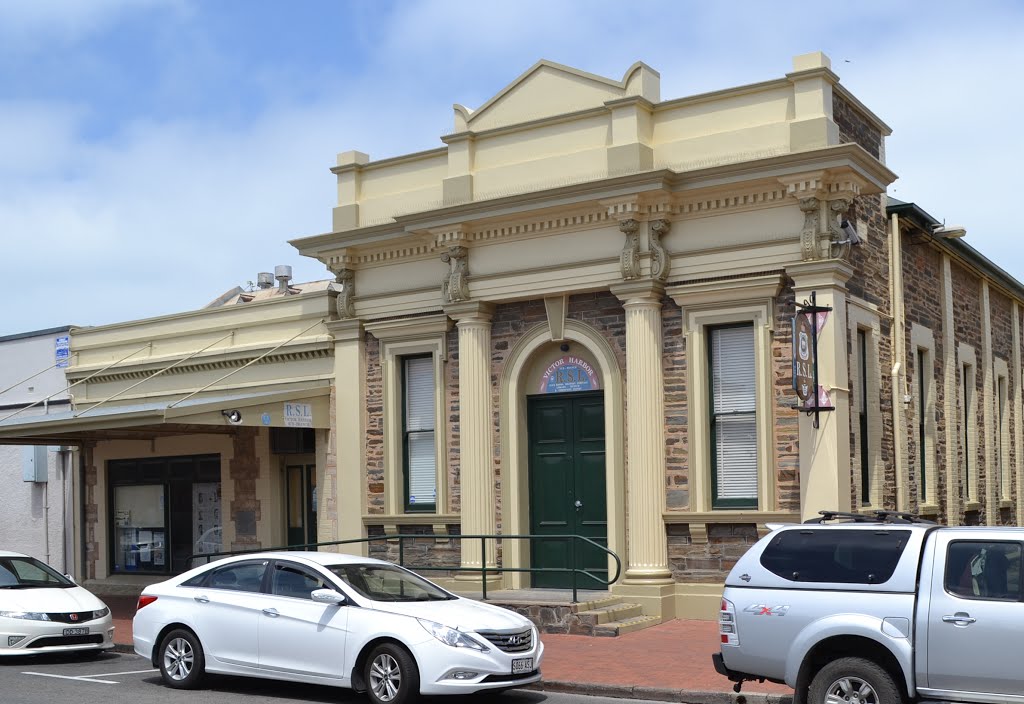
[807,325]
[567,374]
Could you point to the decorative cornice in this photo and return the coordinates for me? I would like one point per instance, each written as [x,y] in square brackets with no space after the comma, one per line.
[199,367]
[723,291]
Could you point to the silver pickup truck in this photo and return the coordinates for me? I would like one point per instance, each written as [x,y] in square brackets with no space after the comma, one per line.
[878,609]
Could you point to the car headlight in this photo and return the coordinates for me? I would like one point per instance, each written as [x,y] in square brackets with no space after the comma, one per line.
[451,636]
[101,613]
[26,615]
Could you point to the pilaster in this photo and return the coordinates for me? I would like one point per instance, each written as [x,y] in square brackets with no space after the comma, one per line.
[949,374]
[988,405]
[647,548]
[825,480]
[1018,408]
[476,453]
[349,172]
[349,431]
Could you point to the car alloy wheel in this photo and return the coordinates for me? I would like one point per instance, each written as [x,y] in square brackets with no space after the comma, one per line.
[182,663]
[852,690]
[179,659]
[391,675]
[385,677]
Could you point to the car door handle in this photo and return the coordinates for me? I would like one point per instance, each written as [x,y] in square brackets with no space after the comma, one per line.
[272,613]
[202,599]
[959,618]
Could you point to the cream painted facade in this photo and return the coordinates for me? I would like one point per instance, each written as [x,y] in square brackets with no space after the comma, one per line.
[713,210]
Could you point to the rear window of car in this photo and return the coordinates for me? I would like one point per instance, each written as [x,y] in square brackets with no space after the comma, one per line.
[835,555]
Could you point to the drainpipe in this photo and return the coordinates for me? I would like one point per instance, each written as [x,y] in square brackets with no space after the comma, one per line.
[898,375]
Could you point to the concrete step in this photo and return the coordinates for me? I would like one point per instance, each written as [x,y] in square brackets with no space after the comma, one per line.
[627,625]
[607,613]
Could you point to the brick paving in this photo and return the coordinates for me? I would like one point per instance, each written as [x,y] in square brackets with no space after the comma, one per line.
[671,656]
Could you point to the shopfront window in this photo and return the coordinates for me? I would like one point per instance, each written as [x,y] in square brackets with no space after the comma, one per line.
[140,528]
[163,510]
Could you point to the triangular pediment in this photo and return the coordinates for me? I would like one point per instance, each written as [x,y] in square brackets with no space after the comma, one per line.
[548,89]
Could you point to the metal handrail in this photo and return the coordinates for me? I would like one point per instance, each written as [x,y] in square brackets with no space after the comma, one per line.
[483,569]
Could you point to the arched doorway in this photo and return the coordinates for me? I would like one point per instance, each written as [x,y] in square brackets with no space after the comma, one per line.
[561,443]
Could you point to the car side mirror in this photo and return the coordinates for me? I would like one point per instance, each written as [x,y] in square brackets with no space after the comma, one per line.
[71,579]
[328,596]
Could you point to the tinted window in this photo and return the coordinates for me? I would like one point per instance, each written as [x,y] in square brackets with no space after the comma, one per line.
[983,569]
[843,556]
[28,573]
[293,581]
[388,583]
[239,577]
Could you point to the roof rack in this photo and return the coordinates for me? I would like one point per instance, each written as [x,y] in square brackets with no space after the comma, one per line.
[871,517]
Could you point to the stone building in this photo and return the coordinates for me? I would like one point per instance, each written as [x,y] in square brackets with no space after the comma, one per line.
[577,318]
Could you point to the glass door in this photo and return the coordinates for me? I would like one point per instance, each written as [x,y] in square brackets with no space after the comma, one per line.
[300,480]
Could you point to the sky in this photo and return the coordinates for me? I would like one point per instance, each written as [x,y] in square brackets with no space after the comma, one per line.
[157,153]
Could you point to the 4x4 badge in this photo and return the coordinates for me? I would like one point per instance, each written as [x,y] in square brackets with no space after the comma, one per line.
[766,610]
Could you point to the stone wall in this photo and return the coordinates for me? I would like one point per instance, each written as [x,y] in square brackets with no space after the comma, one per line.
[967,327]
[786,402]
[374,456]
[244,470]
[418,553]
[677,489]
[708,562]
[854,126]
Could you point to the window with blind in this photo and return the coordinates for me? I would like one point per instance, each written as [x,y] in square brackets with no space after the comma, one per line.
[733,417]
[418,444]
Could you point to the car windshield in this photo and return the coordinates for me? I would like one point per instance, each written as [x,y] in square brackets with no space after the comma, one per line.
[30,573]
[388,583]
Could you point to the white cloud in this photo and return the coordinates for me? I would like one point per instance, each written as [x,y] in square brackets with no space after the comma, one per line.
[30,25]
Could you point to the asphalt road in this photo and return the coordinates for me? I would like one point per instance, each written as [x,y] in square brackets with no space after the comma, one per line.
[113,678]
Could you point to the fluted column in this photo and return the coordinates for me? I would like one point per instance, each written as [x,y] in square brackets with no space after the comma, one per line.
[647,556]
[476,454]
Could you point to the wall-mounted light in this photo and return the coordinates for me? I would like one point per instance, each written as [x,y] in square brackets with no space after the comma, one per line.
[234,416]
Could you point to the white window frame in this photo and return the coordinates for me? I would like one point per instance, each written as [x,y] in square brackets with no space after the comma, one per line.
[400,339]
[1001,419]
[967,374]
[864,317]
[922,340]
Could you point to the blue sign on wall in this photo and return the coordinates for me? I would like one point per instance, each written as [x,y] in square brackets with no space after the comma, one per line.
[567,374]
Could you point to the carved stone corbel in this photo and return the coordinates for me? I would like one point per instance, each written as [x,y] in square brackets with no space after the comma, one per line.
[837,207]
[630,257]
[455,287]
[661,263]
[346,297]
[809,235]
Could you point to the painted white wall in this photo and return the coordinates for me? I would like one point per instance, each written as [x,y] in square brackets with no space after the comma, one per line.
[35,518]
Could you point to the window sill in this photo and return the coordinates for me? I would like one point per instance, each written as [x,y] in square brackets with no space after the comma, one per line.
[698,520]
[410,519]
[1005,503]
[928,509]
[972,506]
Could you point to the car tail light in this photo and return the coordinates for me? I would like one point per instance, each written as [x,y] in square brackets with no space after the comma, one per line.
[727,624]
[145,600]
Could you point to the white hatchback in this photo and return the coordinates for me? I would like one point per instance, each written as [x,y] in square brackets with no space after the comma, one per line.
[42,611]
[332,619]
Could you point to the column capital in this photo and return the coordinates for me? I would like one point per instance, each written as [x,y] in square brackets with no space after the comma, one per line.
[639,291]
[470,312]
[827,273]
[346,330]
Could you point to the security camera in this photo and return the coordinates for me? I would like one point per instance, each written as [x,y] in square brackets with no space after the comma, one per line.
[852,237]
[234,416]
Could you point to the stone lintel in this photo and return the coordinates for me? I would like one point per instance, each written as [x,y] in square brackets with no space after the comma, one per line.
[346,330]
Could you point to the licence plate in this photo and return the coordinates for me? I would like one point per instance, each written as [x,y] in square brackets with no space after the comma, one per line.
[522,665]
[76,631]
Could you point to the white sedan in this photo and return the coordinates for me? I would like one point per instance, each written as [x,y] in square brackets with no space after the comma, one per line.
[331,619]
[42,611]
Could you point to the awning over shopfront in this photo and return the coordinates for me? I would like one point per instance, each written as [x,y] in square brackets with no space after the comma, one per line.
[302,407]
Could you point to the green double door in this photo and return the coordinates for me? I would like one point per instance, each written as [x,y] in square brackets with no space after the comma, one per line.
[567,486]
